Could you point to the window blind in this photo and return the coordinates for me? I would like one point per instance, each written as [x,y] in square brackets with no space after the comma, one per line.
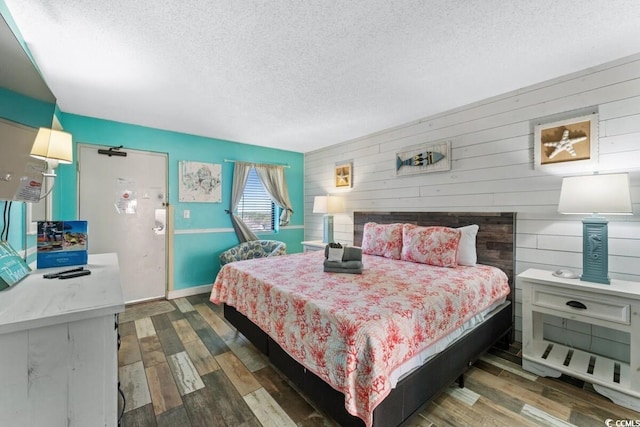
[256,208]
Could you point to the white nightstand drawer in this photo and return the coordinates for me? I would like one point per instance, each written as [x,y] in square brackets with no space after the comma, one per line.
[583,305]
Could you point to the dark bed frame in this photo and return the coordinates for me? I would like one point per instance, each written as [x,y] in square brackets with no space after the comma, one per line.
[495,246]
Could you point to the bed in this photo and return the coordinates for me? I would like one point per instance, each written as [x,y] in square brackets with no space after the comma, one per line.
[393,398]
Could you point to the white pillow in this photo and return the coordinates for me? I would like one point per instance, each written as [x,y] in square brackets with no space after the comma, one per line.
[467,247]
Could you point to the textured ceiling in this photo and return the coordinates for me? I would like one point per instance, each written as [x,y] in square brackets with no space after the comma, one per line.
[300,75]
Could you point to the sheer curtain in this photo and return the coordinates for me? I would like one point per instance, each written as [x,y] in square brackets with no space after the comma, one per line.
[274,181]
[240,175]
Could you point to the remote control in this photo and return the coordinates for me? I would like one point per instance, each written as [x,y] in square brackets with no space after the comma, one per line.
[58,273]
[74,274]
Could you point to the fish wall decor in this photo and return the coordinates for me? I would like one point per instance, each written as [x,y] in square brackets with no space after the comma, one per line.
[432,157]
[423,158]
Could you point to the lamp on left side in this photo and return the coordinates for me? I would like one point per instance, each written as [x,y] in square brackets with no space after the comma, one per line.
[53,146]
[328,205]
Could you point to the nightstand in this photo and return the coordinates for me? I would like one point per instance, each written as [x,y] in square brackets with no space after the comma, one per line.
[615,306]
[313,245]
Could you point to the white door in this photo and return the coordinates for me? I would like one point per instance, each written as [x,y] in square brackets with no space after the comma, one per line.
[123,200]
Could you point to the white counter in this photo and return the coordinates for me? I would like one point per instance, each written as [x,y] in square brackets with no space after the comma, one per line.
[58,348]
[35,302]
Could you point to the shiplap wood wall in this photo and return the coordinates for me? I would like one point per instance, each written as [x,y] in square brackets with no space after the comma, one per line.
[492,170]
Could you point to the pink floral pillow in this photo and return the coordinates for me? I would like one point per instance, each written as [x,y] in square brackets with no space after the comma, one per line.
[382,240]
[430,245]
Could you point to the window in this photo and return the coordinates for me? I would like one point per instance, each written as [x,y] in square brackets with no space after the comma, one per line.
[256,208]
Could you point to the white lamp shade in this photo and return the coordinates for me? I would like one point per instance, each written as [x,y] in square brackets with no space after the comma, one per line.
[53,145]
[596,194]
[328,204]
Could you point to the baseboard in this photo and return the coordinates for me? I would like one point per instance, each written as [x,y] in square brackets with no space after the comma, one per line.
[196,290]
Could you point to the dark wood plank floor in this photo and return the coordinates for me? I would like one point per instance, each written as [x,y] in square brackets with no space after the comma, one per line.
[181,364]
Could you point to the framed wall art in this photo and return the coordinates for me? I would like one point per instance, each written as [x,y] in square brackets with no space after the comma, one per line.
[199,182]
[572,142]
[425,158]
[344,175]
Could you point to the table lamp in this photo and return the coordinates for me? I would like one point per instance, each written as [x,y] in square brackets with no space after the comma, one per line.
[606,194]
[328,205]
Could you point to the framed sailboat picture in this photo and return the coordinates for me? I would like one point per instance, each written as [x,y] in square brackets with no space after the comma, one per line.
[424,158]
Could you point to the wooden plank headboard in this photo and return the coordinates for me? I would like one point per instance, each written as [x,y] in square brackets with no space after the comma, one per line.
[495,243]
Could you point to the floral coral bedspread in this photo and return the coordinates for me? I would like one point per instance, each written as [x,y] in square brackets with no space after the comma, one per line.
[353,330]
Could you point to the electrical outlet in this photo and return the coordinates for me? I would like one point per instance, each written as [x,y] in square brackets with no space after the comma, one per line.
[186,214]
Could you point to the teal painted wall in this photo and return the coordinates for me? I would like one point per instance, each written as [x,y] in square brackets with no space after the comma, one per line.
[29,112]
[23,109]
[195,254]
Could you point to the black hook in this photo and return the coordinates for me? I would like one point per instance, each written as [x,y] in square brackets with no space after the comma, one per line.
[113,151]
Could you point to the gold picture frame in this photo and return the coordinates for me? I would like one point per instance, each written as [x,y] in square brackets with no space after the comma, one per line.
[343,175]
[566,143]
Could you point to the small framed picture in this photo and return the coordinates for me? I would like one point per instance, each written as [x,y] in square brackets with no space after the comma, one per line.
[424,158]
[566,143]
[343,175]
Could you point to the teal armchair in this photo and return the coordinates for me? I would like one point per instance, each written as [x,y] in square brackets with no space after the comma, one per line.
[253,249]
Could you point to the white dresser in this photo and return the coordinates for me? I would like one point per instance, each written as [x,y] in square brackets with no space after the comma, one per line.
[58,348]
[615,306]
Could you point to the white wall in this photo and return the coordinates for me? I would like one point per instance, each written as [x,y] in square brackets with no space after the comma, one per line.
[492,170]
